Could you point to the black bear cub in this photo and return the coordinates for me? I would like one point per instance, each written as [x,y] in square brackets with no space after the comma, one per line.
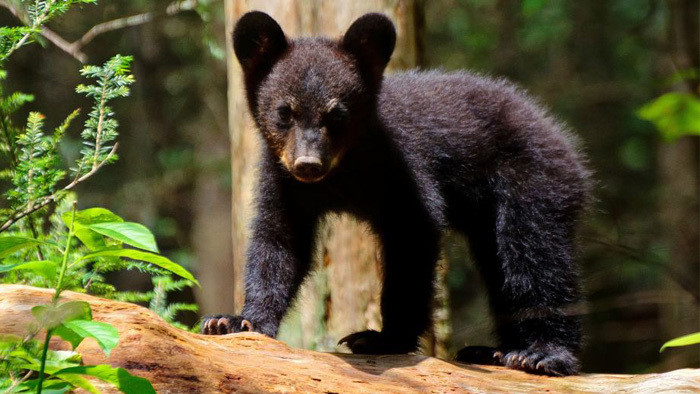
[411,154]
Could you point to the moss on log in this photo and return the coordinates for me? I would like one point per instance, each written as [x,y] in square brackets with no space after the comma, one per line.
[176,361]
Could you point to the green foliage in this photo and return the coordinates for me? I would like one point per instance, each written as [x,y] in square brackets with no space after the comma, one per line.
[38,13]
[133,234]
[674,114]
[35,165]
[690,339]
[64,248]
[112,81]
[119,377]
[38,167]
[19,359]
[72,321]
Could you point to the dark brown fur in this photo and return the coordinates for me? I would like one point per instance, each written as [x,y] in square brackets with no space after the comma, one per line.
[412,154]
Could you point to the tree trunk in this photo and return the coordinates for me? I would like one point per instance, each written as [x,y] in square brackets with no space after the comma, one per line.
[680,186]
[343,295]
[211,224]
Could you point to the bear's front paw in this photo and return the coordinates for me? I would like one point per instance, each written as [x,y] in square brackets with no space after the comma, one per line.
[375,342]
[553,360]
[224,324]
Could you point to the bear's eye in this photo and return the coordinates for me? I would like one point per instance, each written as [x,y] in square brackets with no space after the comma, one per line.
[335,118]
[284,117]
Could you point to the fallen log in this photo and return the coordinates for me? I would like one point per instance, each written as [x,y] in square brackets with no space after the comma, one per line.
[176,361]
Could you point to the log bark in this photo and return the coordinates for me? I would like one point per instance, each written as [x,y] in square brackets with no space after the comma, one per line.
[177,361]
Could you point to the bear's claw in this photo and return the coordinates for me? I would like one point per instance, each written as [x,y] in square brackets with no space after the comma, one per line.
[550,360]
[224,324]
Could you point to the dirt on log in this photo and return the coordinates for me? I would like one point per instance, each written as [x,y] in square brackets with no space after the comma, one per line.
[176,361]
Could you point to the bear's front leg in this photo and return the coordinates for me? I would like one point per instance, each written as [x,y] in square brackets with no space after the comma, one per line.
[278,259]
[410,254]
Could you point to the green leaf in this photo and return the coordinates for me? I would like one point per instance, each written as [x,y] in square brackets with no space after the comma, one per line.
[45,268]
[79,381]
[133,234]
[105,334]
[54,386]
[74,380]
[11,244]
[690,339]
[68,335]
[155,259]
[90,216]
[50,316]
[119,377]
[91,239]
[675,114]
[87,217]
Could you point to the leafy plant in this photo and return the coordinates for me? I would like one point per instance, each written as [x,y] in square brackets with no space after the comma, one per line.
[38,14]
[34,167]
[48,242]
[96,241]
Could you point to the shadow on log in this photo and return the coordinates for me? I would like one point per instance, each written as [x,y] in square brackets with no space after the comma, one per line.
[176,361]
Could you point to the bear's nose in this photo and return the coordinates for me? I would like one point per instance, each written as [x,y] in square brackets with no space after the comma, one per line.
[308,167]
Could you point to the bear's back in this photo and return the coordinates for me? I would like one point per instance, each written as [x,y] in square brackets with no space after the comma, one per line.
[465,121]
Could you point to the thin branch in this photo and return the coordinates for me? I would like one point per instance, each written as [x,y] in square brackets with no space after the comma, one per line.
[116,24]
[65,46]
[19,381]
[100,122]
[75,48]
[35,23]
[44,201]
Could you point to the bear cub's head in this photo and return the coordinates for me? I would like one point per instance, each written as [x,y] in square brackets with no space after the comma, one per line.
[310,97]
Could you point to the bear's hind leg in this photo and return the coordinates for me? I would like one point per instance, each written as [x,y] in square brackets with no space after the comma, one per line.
[524,246]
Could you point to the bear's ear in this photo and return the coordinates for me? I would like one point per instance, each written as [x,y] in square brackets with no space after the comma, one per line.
[371,40]
[258,42]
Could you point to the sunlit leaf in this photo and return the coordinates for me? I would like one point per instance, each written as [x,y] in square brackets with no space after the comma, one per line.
[68,335]
[133,234]
[50,316]
[44,268]
[11,244]
[86,217]
[690,339]
[674,114]
[105,334]
[74,379]
[50,386]
[155,259]
[92,216]
[119,377]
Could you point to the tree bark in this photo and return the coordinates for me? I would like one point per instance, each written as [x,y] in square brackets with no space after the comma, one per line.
[679,172]
[211,207]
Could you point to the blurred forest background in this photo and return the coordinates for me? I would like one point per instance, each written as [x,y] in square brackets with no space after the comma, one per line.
[603,66]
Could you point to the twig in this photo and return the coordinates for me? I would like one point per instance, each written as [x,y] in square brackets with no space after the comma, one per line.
[42,202]
[75,48]
[37,22]
[65,46]
[19,381]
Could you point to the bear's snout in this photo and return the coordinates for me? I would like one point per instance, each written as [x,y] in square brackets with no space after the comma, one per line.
[308,168]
